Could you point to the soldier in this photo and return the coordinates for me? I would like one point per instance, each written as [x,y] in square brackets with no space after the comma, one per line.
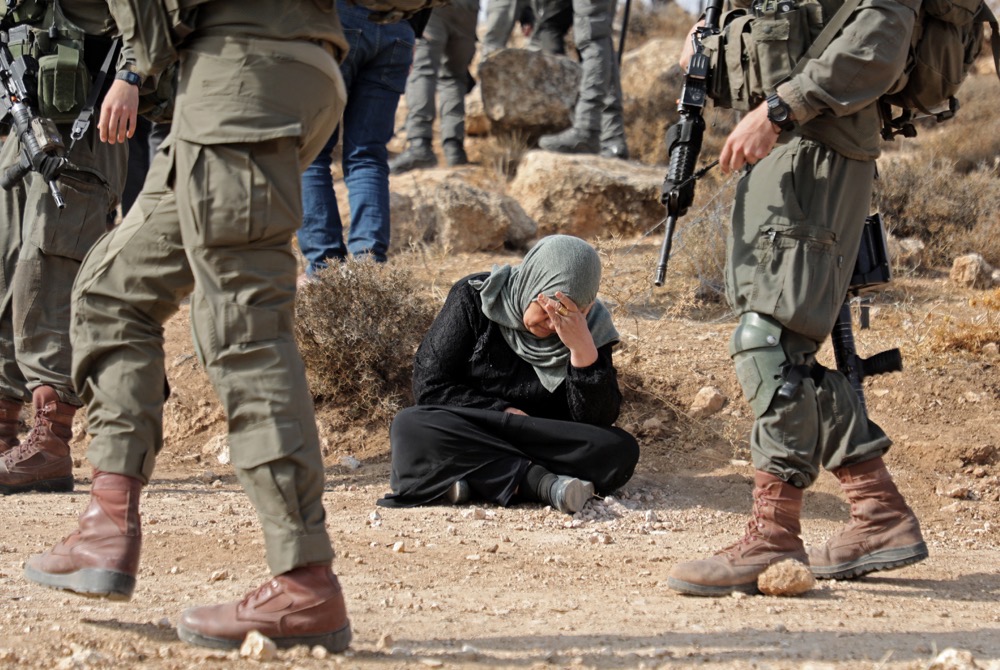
[259,94]
[42,246]
[598,123]
[440,64]
[796,228]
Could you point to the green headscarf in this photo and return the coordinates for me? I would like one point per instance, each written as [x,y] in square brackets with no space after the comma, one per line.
[556,263]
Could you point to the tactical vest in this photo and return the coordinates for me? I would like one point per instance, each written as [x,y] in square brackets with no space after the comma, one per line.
[67,57]
[757,48]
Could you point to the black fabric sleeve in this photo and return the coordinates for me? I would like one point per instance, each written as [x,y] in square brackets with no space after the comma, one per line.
[441,367]
[592,392]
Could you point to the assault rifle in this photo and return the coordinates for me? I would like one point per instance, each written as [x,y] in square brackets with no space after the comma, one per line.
[684,137]
[871,270]
[42,147]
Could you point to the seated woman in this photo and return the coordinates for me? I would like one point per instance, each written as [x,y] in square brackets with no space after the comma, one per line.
[515,390]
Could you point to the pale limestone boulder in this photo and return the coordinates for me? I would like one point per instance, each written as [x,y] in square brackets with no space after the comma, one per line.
[971,271]
[708,401]
[587,196]
[529,90]
[477,124]
[906,252]
[442,207]
[786,578]
[655,62]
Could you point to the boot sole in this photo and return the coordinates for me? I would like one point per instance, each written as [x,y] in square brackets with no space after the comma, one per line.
[57,485]
[334,642]
[88,582]
[692,589]
[887,559]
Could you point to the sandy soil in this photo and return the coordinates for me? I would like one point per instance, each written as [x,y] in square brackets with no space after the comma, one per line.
[477,586]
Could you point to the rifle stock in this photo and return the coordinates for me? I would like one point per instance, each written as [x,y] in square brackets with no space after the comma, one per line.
[871,270]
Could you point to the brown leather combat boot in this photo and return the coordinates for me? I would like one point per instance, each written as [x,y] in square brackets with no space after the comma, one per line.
[883,533]
[100,558]
[772,535]
[302,606]
[43,461]
[10,423]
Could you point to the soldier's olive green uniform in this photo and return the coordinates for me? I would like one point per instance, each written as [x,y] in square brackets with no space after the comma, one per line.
[259,94]
[796,230]
[41,246]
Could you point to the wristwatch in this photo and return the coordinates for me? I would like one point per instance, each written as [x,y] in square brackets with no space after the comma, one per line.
[779,113]
[129,77]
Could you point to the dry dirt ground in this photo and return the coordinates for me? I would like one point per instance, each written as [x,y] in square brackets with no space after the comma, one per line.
[527,587]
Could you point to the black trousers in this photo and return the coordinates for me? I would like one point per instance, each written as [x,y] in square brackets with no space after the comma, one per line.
[434,446]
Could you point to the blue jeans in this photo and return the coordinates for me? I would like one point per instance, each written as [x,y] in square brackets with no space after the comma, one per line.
[375,76]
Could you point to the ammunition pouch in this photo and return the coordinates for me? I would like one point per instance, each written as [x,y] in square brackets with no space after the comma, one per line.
[68,58]
[757,49]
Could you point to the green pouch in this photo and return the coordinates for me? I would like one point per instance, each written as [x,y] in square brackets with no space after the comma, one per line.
[63,84]
[754,53]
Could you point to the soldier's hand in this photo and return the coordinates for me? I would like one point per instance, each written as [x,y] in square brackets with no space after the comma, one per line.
[119,112]
[688,50]
[751,140]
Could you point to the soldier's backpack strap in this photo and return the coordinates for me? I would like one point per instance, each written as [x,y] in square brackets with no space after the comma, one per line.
[822,41]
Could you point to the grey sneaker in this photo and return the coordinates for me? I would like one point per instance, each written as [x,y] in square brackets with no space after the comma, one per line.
[571,141]
[569,494]
[418,155]
[454,153]
[458,492]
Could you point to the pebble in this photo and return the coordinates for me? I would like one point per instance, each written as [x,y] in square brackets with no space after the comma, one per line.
[399,547]
[258,647]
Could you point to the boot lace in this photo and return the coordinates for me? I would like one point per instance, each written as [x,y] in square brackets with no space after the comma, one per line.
[752,531]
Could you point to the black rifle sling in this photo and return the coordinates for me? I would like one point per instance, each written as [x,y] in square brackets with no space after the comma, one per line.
[82,122]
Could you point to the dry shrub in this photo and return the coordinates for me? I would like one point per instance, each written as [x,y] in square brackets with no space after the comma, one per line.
[952,214]
[505,152]
[358,326]
[951,334]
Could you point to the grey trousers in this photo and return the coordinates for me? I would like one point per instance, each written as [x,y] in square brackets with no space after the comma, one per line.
[41,247]
[441,62]
[599,105]
[501,15]
[796,229]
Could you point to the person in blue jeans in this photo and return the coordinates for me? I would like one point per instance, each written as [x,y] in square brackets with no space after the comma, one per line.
[375,76]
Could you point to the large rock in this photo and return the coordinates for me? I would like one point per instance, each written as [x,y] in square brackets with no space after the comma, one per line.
[587,196]
[439,206]
[653,64]
[972,271]
[529,90]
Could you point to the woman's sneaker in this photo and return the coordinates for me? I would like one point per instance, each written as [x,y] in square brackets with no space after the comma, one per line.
[569,494]
[458,493]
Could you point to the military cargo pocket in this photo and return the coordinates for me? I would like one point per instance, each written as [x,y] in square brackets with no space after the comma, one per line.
[235,198]
[797,278]
[71,232]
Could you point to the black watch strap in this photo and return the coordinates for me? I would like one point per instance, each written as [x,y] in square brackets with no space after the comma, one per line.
[779,113]
[129,77]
